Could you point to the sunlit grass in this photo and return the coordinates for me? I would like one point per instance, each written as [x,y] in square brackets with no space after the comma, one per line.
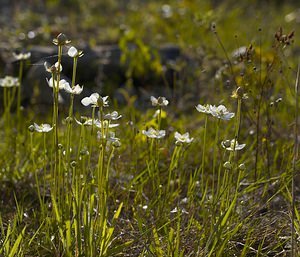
[213,181]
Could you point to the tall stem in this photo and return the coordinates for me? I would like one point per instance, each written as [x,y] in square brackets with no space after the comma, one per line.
[295,158]
[203,153]
[215,155]
[19,94]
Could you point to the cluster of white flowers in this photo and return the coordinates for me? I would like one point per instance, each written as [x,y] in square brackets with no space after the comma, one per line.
[9,81]
[158,134]
[153,133]
[22,56]
[95,100]
[219,112]
[232,145]
[160,101]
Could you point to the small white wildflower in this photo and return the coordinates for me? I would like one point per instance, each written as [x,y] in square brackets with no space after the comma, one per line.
[90,100]
[152,133]
[58,67]
[43,128]
[160,101]
[232,145]
[110,137]
[106,124]
[22,56]
[74,53]
[203,108]
[221,112]
[61,85]
[84,121]
[175,210]
[95,100]
[52,68]
[76,90]
[183,138]
[112,116]
[9,81]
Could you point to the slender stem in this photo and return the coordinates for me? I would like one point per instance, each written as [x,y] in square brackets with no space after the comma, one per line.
[19,94]
[159,118]
[91,135]
[215,155]
[173,164]
[295,158]
[204,152]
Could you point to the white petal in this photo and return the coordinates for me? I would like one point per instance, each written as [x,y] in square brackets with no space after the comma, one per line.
[72,52]
[86,101]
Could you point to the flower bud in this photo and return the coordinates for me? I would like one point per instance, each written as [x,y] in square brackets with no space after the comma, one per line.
[227,143]
[242,167]
[61,40]
[73,164]
[31,128]
[240,92]
[227,165]
[116,143]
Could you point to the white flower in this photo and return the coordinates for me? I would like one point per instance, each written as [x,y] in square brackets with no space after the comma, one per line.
[58,68]
[95,100]
[73,52]
[43,128]
[232,145]
[9,81]
[61,85]
[52,68]
[203,108]
[22,56]
[183,138]
[110,137]
[106,124]
[74,90]
[160,101]
[112,116]
[152,133]
[84,121]
[221,112]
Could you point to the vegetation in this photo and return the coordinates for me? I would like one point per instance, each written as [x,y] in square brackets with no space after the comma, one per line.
[208,169]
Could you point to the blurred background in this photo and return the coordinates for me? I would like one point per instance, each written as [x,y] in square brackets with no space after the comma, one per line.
[147,43]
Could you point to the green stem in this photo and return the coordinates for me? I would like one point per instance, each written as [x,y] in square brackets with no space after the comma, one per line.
[91,135]
[159,118]
[173,164]
[215,155]
[204,152]
[19,94]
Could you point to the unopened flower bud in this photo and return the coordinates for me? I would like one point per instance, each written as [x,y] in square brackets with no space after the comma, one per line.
[242,167]
[227,143]
[240,92]
[31,128]
[227,165]
[116,143]
[61,40]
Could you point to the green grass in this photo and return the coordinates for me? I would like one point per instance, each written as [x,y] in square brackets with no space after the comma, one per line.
[86,188]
